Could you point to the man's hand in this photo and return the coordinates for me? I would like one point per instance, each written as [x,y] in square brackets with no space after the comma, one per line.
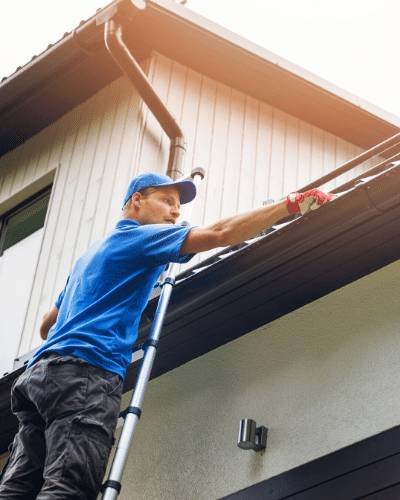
[48,321]
[307,201]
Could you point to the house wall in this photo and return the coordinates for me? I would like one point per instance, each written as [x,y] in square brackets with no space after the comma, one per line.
[252,152]
[14,298]
[320,378]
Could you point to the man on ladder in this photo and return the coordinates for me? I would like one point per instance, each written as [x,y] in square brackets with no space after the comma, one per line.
[68,399]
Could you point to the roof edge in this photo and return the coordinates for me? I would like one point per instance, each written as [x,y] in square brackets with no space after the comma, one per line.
[197,20]
[46,87]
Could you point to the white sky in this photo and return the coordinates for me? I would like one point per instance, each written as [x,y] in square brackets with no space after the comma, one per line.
[352,43]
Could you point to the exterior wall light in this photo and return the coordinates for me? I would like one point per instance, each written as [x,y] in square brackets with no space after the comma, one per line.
[252,437]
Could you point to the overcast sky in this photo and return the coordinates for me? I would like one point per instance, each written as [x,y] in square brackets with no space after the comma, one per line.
[351,43]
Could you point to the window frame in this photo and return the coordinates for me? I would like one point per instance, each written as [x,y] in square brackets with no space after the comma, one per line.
[5,217]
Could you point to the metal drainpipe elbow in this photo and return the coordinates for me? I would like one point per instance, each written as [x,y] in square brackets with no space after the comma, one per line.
[113,38]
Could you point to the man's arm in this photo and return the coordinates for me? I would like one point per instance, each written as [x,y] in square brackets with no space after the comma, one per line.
[239,228]
[48,321]
[233,230]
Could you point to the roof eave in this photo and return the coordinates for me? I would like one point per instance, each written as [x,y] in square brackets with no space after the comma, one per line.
[47,87]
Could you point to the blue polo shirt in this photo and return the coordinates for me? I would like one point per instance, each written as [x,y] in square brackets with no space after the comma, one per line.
[100,307]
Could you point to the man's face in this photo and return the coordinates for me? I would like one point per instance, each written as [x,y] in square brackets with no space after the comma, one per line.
[159,205]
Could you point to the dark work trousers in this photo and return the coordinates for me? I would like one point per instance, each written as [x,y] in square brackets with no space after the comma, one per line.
[67,411]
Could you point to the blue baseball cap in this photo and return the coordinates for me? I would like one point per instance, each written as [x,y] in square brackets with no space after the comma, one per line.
[187,188]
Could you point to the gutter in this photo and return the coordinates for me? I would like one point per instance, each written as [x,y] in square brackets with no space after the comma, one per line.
[373,199]
[291,266]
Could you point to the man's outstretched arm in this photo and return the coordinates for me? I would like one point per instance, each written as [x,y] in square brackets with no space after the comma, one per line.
[233,230]
[48,321]
[247,225]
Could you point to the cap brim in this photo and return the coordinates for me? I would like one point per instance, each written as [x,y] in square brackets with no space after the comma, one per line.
[187,189]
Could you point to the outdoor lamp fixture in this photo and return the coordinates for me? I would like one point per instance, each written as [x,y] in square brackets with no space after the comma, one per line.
[252,437]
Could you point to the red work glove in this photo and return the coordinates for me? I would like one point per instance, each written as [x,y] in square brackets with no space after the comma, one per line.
[307,201]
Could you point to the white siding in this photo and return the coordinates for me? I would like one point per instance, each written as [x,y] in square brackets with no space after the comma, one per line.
[17,261]
[250,150]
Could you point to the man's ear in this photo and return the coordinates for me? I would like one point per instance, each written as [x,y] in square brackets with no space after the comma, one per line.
[136,199]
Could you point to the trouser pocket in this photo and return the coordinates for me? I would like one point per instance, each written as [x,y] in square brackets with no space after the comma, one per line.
[66,387]
[86,458]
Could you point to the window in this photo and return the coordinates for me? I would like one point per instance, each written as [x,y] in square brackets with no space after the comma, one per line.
[24,220]
[21,233]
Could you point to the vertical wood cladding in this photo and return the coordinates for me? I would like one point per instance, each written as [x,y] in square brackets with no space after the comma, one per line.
[251,152]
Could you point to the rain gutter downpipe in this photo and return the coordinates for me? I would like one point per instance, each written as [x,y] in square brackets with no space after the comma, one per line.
[113,37]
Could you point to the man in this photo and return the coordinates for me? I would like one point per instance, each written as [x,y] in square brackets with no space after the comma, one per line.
[67,401]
